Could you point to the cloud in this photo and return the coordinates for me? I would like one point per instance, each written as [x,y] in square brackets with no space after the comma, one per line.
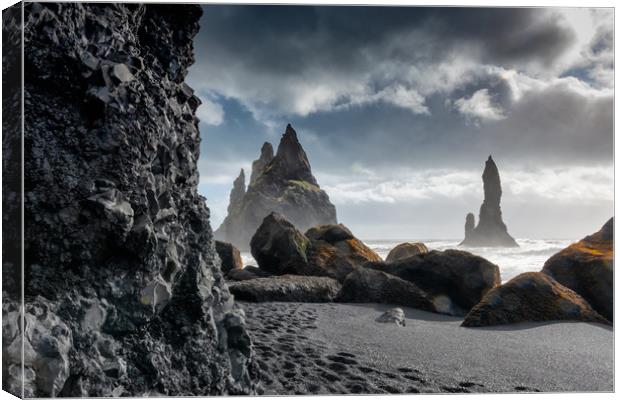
[479,105]
[210,113]
[560,184]
[300,60]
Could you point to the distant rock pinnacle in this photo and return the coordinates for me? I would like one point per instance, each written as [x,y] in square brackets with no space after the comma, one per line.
[266,155]
[282,183]
[491,230]
[237,192]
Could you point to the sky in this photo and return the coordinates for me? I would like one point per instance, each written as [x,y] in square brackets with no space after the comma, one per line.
[398,108]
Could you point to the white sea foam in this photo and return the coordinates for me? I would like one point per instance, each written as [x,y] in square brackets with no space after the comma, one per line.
[529,256]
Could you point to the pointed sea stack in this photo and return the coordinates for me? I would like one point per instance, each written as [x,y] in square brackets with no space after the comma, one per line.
[266,155]
[491,230]
[284,184]
[237,192]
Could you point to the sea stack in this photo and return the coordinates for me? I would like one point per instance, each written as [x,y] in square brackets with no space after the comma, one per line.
[491,230]
[282,183]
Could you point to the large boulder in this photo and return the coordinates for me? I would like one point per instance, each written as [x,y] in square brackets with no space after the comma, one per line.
[295,288]
[371,286]
[587,267]
[230,256]
[283,183]
[455,280]
[335,252]
[123,293]
[279,248]
[531,296]
[405,250]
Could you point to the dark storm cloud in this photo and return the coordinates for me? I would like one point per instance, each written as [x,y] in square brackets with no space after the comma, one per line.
[287,39]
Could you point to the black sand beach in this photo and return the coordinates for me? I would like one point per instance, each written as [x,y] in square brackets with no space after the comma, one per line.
[306,348]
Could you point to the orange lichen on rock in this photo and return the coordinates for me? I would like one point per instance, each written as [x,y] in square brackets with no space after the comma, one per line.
[587,268]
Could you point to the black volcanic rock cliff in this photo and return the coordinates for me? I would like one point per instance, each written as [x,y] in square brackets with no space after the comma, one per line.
[123,289]
[491,230]
[284,185]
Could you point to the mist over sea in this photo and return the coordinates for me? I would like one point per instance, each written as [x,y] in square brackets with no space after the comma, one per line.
[529,256]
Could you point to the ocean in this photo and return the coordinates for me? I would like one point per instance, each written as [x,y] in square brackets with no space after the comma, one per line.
[529,256]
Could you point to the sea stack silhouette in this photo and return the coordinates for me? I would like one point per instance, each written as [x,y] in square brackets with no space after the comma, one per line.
[282,183]
[491,230]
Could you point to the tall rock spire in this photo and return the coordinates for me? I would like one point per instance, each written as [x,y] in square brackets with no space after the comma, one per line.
[491,230]
[291,161]
[258,166]
[237,192]
[284,184]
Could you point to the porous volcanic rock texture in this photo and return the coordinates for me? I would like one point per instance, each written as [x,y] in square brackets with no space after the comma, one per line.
[123,288]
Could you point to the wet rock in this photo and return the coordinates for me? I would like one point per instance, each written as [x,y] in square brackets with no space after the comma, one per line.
[123,279]
[309,289]
[393,316]
[587,268]
[286,186]
[365,285]
[455,280]
[531,296]
[491,230]
[229,255]
[405,250]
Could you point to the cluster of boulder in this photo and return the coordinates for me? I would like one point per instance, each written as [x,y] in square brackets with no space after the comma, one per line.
[328,263]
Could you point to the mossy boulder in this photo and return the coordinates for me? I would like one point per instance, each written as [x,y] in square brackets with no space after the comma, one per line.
[279,248]
[456,280]
[587,268]
[325,250]
[405,250]
[531,296]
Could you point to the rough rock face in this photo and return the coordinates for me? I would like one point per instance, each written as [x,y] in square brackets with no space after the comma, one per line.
[327,250]
[121,271]
[405,250]
[491,230]
[370,286]
[286,186]
[587,268]
[531,296]
[230,256]
[455,280]
[307,289]
[258,166]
